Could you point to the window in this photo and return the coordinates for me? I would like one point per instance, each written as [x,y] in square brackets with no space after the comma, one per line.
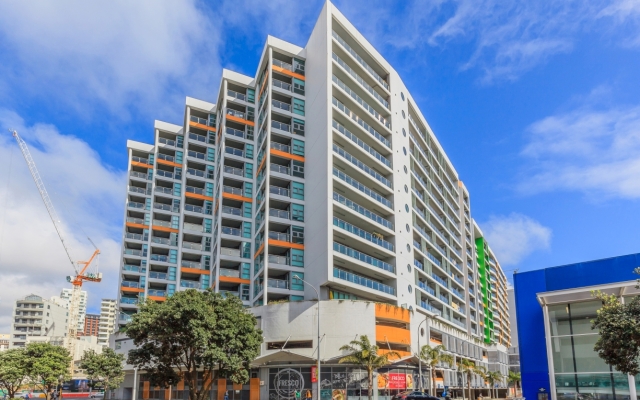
[402,96]
[404,150]
[298,127]
[406,189]
[405,170]
[403,114]
[404,133]
[409,267]
[408,228]
[408,248]
[291,344]
[406,207]
[298,106]
[298,86]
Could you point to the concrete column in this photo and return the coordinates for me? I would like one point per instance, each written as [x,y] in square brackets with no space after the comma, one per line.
[632,387]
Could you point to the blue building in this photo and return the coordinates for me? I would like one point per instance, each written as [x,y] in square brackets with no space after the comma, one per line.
[554,307]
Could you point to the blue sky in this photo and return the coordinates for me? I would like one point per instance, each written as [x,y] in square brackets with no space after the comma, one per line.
[536,105]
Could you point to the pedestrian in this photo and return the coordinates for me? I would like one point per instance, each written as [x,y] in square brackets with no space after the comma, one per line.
[308,395]
[480,396]
[226,395]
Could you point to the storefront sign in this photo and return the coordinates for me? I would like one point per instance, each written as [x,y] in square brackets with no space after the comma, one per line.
[287,383]
[314,374]
[394,381]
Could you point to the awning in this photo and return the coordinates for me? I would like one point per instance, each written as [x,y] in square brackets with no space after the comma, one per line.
[282,356]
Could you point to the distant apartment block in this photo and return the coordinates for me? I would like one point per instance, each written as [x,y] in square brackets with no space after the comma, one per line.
[38,319]
[65,299]
[4,341]
[91,323]
[107,324]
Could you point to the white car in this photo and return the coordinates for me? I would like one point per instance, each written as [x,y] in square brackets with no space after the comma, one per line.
[97,395]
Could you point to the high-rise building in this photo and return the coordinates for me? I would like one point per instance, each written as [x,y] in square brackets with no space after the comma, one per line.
[91,323]
[107,324]
[37,319]
[65,300]
[318,173]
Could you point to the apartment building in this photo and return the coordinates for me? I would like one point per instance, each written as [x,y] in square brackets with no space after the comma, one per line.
[64,300]
[4,341]
[91,324]
[316,177]
[37,319]
[107,323]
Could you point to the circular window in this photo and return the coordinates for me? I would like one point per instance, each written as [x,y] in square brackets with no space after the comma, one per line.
[408,228]
[408,248]
[406,207]
[403,115]
[404,133]
[406,171]
[406,189]
[409,267]
[404,150]
[402,95]
[410,288]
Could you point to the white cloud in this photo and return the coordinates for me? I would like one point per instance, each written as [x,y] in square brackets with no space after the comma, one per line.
[88,196]
[589,149]
[515,236]
[118,54]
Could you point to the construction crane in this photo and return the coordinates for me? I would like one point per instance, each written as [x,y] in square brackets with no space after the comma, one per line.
[79,267]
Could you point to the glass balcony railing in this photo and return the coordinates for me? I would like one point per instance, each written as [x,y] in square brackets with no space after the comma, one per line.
[134,268]
[125,318]
[198,120]
[196,154]
[160,258]
[130,284]
[231,210]
[360,122]
[165,207]
[166,224]
[233,170]
[234,152]
[166,157]
[283,237]
[459,323]
[232,273]
[282,147]
[227,230]
[362,281]
[426,288]
[135,236]
[129,300]
[280,169]
[195,209]
[226,251]
[232,190]
[236,113]
[362,188]
[362,166]
[362,210]
[457,293]
[283,64]
[190,284]
[439,280]
[281,105]
[193,227]
[282,85]
[362,233]
[157,293]
[191,246]
[281,125]
[191,264]
[444,299]
[279,191]
[166,141]
[165,241]
[140,175]
[135,189]
[165,190]
[348,251]
[277,283]
[355,139]
[360,60]
[429,307]
[197,137]
[359,79]
[281,260]
[158,275]
[418,265]
[140,160]
[376,115]
[236,95]
[279,213]
[134,252]
[239,133]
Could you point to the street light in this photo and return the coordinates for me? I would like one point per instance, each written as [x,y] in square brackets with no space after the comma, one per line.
[296,277]
[419,357]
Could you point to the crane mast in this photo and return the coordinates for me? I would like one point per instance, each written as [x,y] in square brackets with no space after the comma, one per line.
[79,276]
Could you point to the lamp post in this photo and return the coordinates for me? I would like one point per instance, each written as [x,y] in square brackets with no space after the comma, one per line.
[295,277]
[419,351]
[135,384]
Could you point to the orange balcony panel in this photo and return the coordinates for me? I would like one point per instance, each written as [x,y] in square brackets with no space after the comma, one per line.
[133,225]
[435,341]
[157,298]
[143,165]
[240,120]
[402,354]
[236,197]
[195,271]
[387,311]
[202,126]
[286,155]
[165,229]
[289,245]
[259,251]
[197,196]
[230,279]
[262,163]
[287,72]
[392,334]
[264,85]
[169,163]
[132,289]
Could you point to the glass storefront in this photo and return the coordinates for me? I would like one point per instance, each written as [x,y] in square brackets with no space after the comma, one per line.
[580,374]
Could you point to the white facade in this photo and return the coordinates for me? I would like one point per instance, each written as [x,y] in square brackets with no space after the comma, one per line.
[65,299]
[107,325]
[4,341]
[37,318]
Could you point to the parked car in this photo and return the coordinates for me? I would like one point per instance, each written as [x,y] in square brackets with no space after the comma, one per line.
[97,395]
[413,395]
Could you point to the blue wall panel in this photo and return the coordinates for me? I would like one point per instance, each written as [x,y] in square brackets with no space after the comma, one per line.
[533,352]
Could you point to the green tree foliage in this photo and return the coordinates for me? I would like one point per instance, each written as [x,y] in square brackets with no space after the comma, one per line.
[432,356]
[467,367]
[194,333]
[45,364]
[619,326]
[366,355]
[105,368]
[514,378]
[492,377]
[13,370]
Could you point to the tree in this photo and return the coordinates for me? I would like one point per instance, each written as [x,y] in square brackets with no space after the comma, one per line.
[433,356]
[365,355]
[12,370]
[467,367]
[46,364]
[105,368]
[492,377]
[514,377]
[190,335]
[619,341]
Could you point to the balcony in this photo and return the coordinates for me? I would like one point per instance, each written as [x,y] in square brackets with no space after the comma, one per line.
[440,280]
[129,300]
[157,275]
[284,214]
[225,251]
[353,116]
[197,154]
[281,105]
[135,189]
[282,85]
[125,318]
[136,205]
[166,224]
[444,299]
[140,160]
[376,115]
[236,95]
[355,139]
[193,227]
[362,188]
[160,258]
[280,260]
[232,273]
[165,241]
[281,125]
[280,169]
[197,137]
[227,230]
[166,157]
[234,152]
[362,281]
[192,264]
[283,237]
[134,268]
[362,233]
[426,288]
[418,264]
[139,175]
[281,147]
[232,211]
[190,284]
[192,246]
[348,251]
[362,62]
[457,293]
[199,173]
[362,166]
[233,190]
[157,293]
[131,284]
[134,252]
[200,121]
[277,283]
[359,79]
[233,171]
[431,308]
[165,207]
[280,191]
[195,209]
[164,190]
[135,236]
[167,174]
[362,211]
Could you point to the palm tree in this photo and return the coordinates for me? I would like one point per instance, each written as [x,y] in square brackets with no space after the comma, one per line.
[514,377]
[492,378]
[467,367]
[432,356]
[364,354]
[482,372]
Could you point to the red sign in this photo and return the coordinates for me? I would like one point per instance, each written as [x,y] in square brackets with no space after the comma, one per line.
[397,381]
[314,373]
